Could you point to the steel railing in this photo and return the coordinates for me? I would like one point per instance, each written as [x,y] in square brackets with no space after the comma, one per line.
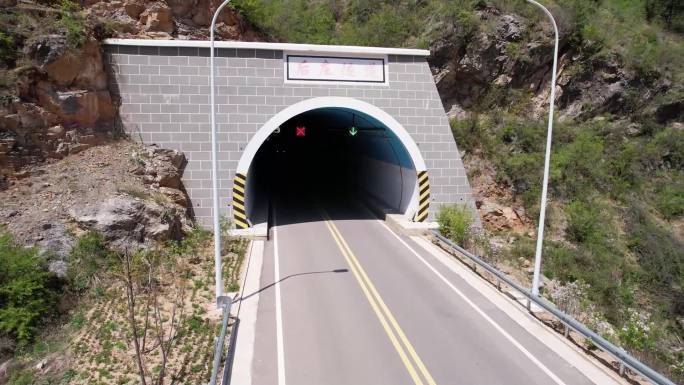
[220,341]
[624,358]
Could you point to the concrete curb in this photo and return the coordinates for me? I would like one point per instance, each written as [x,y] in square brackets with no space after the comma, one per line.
[247,314]
[397,222]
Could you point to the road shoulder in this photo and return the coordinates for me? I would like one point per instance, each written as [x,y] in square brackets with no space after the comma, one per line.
[596,372]
[247,313]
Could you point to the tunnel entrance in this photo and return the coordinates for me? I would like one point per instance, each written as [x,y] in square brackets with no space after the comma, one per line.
[330,156]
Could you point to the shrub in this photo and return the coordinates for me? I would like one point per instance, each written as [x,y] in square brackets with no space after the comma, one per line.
[296,21]
[87,260]
[72,23]
[637,331]
[670,200]
[471,134]
[670,11]
[22,377]
[8,51]
[584,221]
[454,223]
[579,166]
[658,251]
[27,290]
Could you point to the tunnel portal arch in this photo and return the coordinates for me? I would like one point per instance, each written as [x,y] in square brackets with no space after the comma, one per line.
[416,208]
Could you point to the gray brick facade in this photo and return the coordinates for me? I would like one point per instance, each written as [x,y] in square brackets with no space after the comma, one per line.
[164,94]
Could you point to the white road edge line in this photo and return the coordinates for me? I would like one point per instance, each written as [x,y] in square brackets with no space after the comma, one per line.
[278,304]
[247,313]
[571,353]
[478,310]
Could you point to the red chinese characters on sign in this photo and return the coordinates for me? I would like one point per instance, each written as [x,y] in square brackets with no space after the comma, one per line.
[372,71]
[303,68]
[328,68]
[325,68]
[300,131]
[348,70]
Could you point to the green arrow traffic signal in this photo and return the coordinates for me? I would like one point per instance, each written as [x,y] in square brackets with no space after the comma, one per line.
[353,131]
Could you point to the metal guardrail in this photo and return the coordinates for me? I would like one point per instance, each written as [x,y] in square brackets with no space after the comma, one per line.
[218,349]
[625,359]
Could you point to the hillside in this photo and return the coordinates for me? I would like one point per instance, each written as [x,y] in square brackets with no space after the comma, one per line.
[614,254]
[97,239]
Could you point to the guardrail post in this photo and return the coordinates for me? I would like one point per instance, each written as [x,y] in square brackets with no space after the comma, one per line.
[226,302]
[622,368]
[566,332]
[529,305]
[498,284]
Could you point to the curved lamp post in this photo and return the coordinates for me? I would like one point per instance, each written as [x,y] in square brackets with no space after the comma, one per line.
[214,163]
[547,158]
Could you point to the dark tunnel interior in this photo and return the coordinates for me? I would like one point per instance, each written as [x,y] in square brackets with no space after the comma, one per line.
[330,158]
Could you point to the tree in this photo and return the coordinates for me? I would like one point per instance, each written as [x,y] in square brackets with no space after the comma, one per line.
[140,274]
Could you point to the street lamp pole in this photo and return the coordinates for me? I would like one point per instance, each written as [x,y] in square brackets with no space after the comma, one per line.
[547,158]
[214,163]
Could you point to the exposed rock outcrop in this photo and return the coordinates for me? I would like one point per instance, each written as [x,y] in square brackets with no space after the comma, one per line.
[497,217]
[63,106]
[163,168]
[159,18]
[129,223]
[465,69]
[65,67]
[154,214]
[120,189]
[489,67]
[180,19]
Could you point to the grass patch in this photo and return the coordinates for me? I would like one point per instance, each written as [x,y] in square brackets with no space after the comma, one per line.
[455,223]
[28,293]
[72,23]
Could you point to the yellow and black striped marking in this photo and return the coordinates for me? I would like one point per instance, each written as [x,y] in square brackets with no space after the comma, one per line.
[239,213]
[423,196]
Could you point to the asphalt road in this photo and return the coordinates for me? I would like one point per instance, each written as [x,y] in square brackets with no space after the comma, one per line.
[354,305]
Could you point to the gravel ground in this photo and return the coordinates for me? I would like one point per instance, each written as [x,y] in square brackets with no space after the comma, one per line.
[35,209]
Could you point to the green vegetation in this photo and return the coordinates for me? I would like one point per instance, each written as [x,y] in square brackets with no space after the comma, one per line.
[671,12]
[28,293]
[72,23]
[163,281]
[615,241]
[455,223]
[88,261]
[360,22]
[8,51]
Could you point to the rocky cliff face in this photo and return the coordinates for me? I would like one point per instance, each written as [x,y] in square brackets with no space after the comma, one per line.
[506,67]
[130,194]
[57,102]
[171,19]
[510,63]
[61,105]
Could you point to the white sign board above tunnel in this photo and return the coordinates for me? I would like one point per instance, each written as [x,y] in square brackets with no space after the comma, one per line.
[308,68]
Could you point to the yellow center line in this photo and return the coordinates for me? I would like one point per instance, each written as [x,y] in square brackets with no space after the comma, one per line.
[380,308]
